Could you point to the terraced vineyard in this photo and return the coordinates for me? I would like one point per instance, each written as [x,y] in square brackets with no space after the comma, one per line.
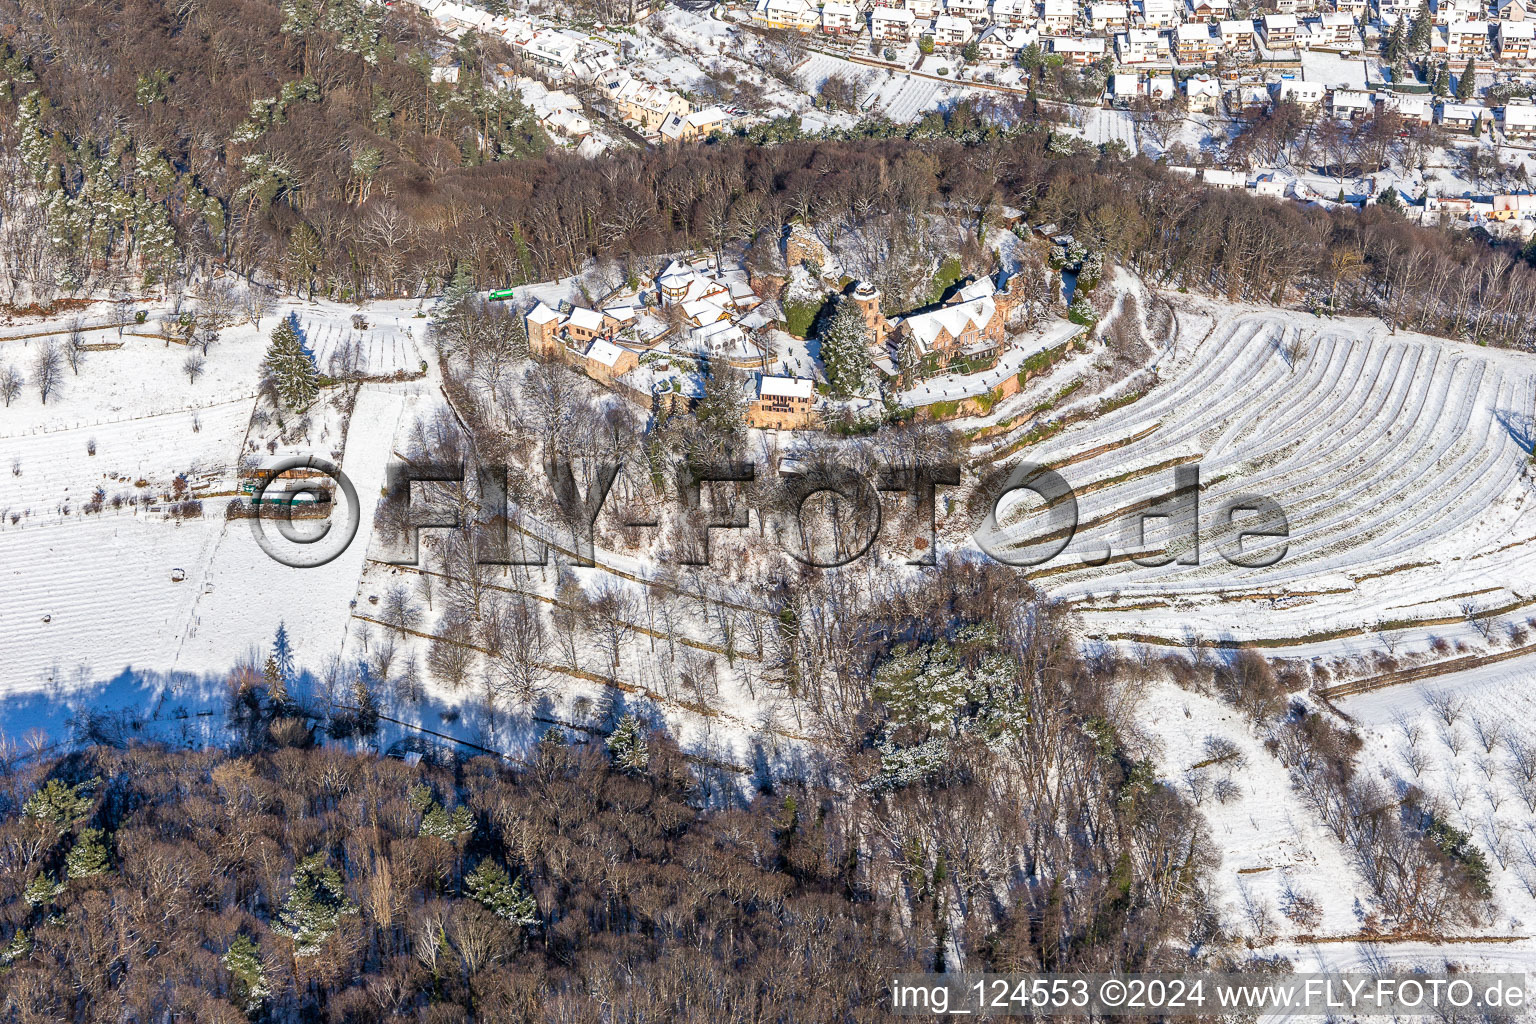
[1401,463]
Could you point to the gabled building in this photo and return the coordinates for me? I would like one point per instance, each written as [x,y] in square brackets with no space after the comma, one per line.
[841,19]
[1194,43]
[1158,14]
[892,24]
[1057,16]
[1460,117]
[1513,39]
[951,31]
[1108,17]
[782,403]
[1237,37]
[1208,11]
[1519,121]
[1141,46]
[1279,31]
[1079,51]
[1512,10]
[1013,13]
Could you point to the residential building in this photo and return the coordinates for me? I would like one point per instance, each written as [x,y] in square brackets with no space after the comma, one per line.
[1194,43]
[1217,178]
[1123,89]
[1162,88]
[1351,104]
[1449,12]
[1464,39]
[1335,30]
[892,24]
[796,14]
[1460,117]
[841,19]
[1079,51]
[1359,10]
[1202,94]
[1519,122]
[951,31]
[1237,37]
[1108,17]
[1209,11]
[642,103]
[973,11]
[1513,39]
[1000,45]
[1013,13]
[1279,31]
[1057,16]
[1414,108]
[1388,11]
[1157,14]
[782,403]
[965,336]
[1141,46]
[1301,92]
[1512,10]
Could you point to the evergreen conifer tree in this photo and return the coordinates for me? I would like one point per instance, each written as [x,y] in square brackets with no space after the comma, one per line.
[88,857]
[243,961]
[491,887]
[289,368]
[627,746]
[1466,85]
[845,349]
[314,906]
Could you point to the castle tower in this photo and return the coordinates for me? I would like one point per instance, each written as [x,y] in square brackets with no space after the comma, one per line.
[867,297]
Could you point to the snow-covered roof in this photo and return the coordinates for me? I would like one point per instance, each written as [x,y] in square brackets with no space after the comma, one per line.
[542,314]
[1236,28]
[926,327]
[604,352]
[1460,112]
[1279,21]
[785,387]
[900,14]
[586,319]
[1523,114]
[976,289]
[1517,30]
[1192,33]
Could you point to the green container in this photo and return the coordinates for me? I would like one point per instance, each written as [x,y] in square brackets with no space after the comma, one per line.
[500,295]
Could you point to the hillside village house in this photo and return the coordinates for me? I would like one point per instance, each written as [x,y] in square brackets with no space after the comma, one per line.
[951,31]
[1000,44]
[1193,43]
[1416,108]
[1335,30]
[1079,52]
[1013,13]
[924,9]
[1108,17]
[1162,88]
[1301,92]
[1279,31]
[1057,16]
[1123,89]
[1141,46]
[1513,39]
[782,403]
[799,15]
[965,336]
[1461,40]
[1460,117]
[1388,11]
[1351,104]
[1450,12]
[1519,122]
[1159,13]
[973,11]
[841,19]
[1359,10]
[1202,94]
[1237,37]
[892,24]
[1512,10]
[642,103]
[1208,10]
